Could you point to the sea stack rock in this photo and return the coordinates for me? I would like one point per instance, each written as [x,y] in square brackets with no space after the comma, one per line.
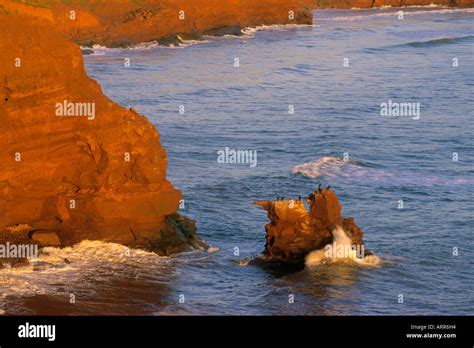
[294,232]
[75,165]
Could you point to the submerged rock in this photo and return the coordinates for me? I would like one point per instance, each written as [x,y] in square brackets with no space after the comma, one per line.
[294,232]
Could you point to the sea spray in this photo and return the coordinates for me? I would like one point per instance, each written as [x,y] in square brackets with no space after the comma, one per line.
[341,250]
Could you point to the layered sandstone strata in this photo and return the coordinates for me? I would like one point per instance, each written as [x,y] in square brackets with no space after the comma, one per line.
[125,23]
[294,232]
[75,165]
[71,175]
[103,176]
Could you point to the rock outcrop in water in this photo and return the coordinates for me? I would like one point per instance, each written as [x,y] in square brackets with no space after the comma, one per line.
[294,232]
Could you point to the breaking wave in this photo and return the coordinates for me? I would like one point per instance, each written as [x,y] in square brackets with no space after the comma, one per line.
[425,44]
[80,268]
[350,171]
[327,167]
[251,31]
[99,50]
[57,268]
[393,13]
[438,42]
[340,251]
[247,33]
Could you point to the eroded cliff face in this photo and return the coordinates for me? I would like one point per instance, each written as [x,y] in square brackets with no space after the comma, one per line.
[125,23]
[90,170]
[294,232]
[75,165]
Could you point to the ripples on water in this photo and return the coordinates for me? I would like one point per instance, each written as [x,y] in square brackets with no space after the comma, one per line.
[336,112]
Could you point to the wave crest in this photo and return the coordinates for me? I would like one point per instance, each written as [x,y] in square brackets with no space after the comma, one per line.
[438,42]
[393,12]
[340,251]
[350,171]
[59,272]
[325,167]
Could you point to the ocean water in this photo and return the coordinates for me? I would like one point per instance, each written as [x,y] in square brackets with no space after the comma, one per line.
[336,136]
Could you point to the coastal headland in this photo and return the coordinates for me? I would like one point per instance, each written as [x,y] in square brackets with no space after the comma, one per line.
[74,164]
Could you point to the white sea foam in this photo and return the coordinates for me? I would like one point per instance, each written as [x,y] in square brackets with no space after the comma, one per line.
[96,50]
[354,171]
[325,167]
[99,50]
[392,14]
[155,44]
[250,31]
[59,271]
[432,5]
[340,251]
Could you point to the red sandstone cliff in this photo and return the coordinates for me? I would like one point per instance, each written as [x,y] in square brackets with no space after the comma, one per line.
[76,177]
[98,176]
[127,22]
[294,232]
[70,178]
[124,23]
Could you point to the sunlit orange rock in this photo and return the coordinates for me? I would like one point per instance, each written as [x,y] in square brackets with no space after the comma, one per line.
[75,165]
[127,22]
[293,231]
[77,177]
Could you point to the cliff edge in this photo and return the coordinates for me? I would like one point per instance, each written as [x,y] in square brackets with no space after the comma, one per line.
[75,165]
[126,23]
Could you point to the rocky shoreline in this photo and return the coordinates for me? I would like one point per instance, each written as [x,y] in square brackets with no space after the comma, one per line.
[75,165]
[71,177]
[128,23]
[168,22]
[92,169]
